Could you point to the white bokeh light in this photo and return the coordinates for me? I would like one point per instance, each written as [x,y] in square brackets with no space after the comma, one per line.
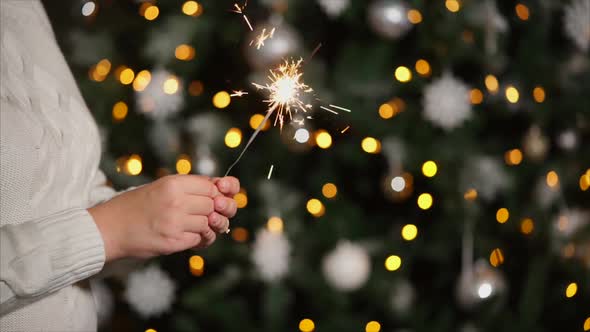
[398,184]
[88,8]
[302,135]
[485,290]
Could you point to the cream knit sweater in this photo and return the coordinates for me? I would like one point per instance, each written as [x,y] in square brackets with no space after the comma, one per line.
[49,176]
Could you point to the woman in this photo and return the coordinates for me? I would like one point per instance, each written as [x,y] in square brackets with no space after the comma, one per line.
[59,223]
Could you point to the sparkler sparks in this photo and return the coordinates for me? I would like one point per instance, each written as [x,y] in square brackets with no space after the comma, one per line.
[238,93]
[262,37]
[344,130]
[240,10]
[270,171]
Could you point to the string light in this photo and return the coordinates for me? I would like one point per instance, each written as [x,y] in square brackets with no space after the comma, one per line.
[190,8]
[183,165]
[491,83]
[275,225]
[371,145]
[315,207]
[414,16]
[196,265]
[429,168]
[329,190]
[425,201]
[255,121]
[323,139]
[513,157]
[373,326]
[587,324]
[150,330]
[403,74]
[221,99]
[133,165]
[522,11]
[120,110]
[393,263]
[142,80]
[453,5]
[409,232]
[151,13]
[195,88]
[88,8]
[476,96]
[512,94]
[423,67]
[470,195]
[184,52]
[398,184]
[386,111]
[527,226]
[126,76]
[306,325]
[233,138]
[103,67]
[571,290]
[585,182]
[241,199]
[539,94]
[502,215]
[552,179]
[301,135]
[239,234]
[496,257]
[170,85]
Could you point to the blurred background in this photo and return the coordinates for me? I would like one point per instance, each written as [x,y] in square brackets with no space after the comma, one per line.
[453,197]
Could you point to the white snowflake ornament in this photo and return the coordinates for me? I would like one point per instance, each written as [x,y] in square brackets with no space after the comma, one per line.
[347,267]
[486,175]
[271,255]
[334,8]
[446,102]
[150,291]
[577,23]
[162,97]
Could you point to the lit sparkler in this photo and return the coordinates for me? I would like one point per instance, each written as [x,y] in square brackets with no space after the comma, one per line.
[240,10]
[238,93]
[270,171]
[262,37]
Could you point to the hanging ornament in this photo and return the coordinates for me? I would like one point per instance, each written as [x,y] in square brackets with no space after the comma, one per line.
[162,97]
[545,196]
[569,222]
[577,23]
[446,102]
[164,138]
[285,41]
[347,267]
[568,140]
[486,175]
[205,163]
[486,14]
[535,144]
[479,284]
[163,39]
[271,255]
[103,301]
[334,8]
[150,291]
[402,297]
[389,18]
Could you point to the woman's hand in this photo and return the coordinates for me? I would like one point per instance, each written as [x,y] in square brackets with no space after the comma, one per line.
[169,215]
[225,205]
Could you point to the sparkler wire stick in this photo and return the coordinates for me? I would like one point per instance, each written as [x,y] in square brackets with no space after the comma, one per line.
[258,129]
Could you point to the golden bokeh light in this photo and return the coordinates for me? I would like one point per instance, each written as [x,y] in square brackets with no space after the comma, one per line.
[93,75]
[195,88]
[491,83]
[183,165]
[502,215]
[393,263]
[371,145]
[190,8]
[196,265]
[539,94]
[142,80]
[470,195]
[151,13]
[126,76]
[423,67]
[150,330]
[144,5]
[373,326]
[552,179]
[403,74]
[275,225]
[584,182]
[476,96]
[587,324]
[323,139]
[233,138]
[239,234]
[103,67]
[522,11]
[425,201]
[453,5]
[429,168]
[512,94]
[513,157]
[170,85]
[315,207]
[241,199]
[133,165]
[306,325]
[221,99]
[414,16]
[184,52]
[409,232]
[527,226]
[496,257]
[386,111]
[571,290]
[329,190]
[255,121]
[120,111]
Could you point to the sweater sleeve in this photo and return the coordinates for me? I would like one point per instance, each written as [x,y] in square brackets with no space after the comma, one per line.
[41,256]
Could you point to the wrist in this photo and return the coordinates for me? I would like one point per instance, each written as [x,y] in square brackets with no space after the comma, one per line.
[106,224]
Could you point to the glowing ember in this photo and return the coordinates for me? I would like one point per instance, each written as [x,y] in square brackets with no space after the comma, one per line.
[238,93]
[262,37]
[240,10]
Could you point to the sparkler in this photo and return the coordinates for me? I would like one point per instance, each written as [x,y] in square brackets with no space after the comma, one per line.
[238,93]
[240,10]
[262,37]
[270,171]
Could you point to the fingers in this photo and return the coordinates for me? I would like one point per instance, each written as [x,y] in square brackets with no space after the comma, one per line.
[198,205]
[196,185]
[196,224]
[225,206]
[228,185]
[218,223]
[209,237]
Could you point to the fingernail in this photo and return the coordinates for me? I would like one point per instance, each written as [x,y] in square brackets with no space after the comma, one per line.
[223,185]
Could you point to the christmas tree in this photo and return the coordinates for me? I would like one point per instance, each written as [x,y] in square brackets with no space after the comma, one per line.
[452,197]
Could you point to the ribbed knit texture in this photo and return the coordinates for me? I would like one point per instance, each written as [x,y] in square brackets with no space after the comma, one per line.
[49,156]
